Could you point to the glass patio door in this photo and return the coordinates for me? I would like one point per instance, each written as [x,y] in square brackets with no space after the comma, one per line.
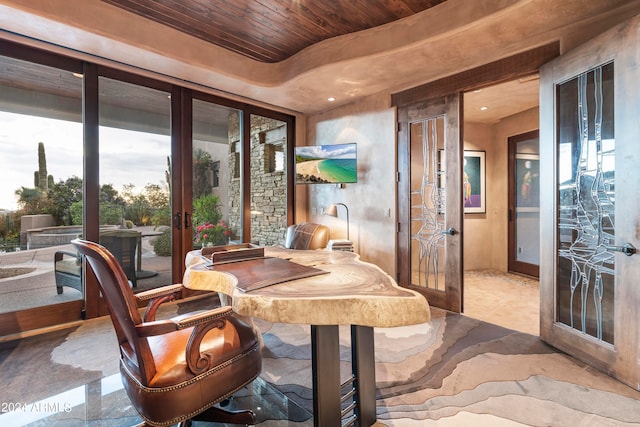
[215,164]
[589,270]
[135,171]
[40,184]
[431,201]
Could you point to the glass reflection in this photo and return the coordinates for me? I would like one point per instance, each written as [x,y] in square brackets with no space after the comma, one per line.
[104,402]
[586,191]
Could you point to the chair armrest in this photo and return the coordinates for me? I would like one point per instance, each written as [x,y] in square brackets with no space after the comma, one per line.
[158,292]
[157,297]
[203,316]
[159,327]
[202,322]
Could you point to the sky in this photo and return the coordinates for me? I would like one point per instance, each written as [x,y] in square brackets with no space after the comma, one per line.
[336,151]
[126,157]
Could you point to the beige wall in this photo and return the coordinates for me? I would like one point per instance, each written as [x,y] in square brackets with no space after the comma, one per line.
[371,201]
[478,228]
[371,124]
[486,235]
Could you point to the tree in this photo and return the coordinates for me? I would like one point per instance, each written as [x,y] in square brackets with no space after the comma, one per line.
[32,201]
[108,194]
[62,195]
[158,198]
[202,167]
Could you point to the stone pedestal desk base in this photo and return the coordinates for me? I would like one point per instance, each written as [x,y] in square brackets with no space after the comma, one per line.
[353,293]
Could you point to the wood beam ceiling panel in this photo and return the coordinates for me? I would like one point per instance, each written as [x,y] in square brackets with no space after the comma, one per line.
[271,30]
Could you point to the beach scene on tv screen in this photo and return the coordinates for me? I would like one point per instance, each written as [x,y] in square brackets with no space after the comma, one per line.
[326,164]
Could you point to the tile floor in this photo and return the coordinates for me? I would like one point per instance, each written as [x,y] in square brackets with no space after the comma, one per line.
[475,373]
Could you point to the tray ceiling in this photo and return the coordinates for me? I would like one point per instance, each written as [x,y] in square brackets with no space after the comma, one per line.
[272,30]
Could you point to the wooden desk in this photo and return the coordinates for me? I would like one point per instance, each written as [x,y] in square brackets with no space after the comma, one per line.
[353,293]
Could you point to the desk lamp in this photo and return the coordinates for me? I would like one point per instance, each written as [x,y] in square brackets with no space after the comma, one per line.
[332,210]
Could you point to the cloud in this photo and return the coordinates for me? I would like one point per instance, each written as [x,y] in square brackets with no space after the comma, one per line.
[125,156]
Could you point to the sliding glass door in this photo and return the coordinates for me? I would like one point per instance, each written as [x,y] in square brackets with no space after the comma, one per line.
[139,165]
[40,188]
[215,165]
[135,163]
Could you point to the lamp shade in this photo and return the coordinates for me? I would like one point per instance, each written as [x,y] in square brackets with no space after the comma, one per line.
[332,210]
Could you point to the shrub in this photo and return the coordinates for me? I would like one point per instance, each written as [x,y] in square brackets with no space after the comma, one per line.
[161,217]
[206,209]
[162,243]
[212,235]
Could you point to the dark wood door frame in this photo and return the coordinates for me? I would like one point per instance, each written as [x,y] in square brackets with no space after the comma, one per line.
[514,264]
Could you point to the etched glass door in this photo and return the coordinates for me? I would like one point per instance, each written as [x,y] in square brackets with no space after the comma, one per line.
[435,202]
[589,279]
[586,203]
[428,201]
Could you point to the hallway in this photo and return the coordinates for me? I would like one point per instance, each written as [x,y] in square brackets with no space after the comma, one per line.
[506,299]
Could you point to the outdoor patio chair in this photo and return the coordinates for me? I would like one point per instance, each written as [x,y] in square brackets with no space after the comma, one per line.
[67,270]
[123,244]
[177,369]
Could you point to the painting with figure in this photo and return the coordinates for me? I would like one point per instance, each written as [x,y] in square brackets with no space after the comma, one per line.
[527,181]
[473,182]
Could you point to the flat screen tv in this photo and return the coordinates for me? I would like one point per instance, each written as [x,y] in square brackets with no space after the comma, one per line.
[326,164]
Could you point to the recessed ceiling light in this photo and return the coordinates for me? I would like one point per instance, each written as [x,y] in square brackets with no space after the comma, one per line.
[331,99]
[484,108]
[477,91]
[78,75]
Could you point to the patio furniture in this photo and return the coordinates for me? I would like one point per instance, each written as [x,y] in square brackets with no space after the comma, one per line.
[67,270]
[176,369]
[123,245]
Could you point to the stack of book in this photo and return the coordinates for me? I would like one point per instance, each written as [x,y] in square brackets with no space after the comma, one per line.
[340,245]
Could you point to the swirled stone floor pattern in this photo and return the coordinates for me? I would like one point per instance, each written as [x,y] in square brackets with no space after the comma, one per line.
[453,371]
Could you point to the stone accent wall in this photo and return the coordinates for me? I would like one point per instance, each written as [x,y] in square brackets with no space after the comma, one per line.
[268,180]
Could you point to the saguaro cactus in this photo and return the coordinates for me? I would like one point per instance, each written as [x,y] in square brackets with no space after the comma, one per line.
[41,179]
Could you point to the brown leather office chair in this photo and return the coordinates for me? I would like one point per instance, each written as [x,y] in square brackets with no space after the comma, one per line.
[306,235]
[177,369]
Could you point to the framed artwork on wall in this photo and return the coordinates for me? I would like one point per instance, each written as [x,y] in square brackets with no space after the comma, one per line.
[473,182]
[527,170]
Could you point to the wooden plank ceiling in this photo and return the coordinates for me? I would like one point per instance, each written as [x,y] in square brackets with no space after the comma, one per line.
[272,30]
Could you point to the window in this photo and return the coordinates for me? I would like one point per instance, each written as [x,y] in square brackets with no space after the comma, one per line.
[216,174]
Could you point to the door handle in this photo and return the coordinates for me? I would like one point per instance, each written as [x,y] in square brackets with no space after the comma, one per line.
[628,249]
[450,231]
[177,221]
[187,223]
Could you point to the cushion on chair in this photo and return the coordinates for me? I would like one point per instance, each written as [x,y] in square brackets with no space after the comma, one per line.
[69,266]
[234,348]
[67,270]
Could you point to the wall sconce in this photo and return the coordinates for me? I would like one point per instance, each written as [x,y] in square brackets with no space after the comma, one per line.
[332,210]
